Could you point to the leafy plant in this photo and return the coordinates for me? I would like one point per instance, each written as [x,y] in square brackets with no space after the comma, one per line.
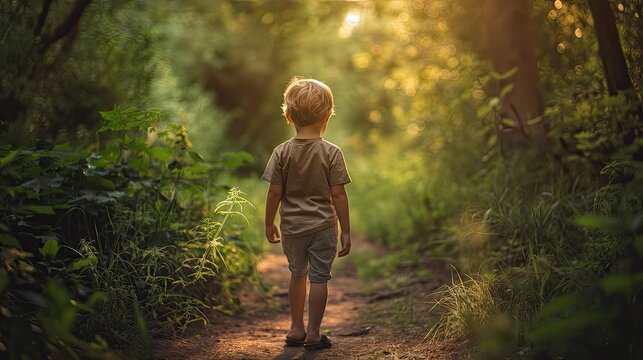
[97,245]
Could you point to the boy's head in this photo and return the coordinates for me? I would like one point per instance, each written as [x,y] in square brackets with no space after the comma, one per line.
[307,102]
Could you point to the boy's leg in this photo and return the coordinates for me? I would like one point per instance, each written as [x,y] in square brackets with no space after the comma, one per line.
[295,251]
[297,296]
[316,307]
[321,254]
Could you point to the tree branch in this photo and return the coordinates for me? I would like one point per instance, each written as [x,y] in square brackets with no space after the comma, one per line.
[42,17]
[67,26]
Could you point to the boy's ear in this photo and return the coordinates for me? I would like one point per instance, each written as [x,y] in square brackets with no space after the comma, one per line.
[289,120]
[330,113]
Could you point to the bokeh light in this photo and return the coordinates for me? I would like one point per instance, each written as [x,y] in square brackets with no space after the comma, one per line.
[578,33]
[352,18]
[560,48]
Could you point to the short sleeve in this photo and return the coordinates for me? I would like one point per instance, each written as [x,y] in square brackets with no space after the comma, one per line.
[272,174]
[338,173]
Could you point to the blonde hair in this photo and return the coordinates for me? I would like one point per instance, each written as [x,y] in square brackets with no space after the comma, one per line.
[307,101]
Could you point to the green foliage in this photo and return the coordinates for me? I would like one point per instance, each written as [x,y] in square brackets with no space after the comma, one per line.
[607,324]
[53,91]
[569,275]
[99,245]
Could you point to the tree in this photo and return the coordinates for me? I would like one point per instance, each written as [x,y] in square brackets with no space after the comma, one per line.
[510,46]
[614,64]
[609,47]
[63,62]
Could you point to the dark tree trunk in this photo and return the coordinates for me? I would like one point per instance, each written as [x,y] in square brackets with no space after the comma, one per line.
[615,67]
[67,26]
[42,17]
[510,45]
[609,47]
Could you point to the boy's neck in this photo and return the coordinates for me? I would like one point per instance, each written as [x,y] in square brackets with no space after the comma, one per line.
[310,132]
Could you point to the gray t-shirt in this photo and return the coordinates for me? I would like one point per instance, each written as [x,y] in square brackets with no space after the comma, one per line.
[306,168]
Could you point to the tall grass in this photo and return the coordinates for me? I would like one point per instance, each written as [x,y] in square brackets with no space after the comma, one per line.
[465,306]
[526,230]
[169,286]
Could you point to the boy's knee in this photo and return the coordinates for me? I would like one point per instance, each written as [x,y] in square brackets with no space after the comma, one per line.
[319,278]
[298,274]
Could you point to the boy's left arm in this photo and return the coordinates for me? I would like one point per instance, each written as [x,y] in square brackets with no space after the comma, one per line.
[272,204]
[340,201]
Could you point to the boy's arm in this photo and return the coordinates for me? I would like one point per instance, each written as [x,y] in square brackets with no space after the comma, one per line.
[272,204]
[340,200]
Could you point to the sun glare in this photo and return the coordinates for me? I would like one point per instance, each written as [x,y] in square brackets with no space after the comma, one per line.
[352,18]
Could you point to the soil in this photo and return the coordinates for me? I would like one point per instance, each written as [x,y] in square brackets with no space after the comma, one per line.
[364,319]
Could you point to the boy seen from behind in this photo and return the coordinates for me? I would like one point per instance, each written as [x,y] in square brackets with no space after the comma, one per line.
[307,176]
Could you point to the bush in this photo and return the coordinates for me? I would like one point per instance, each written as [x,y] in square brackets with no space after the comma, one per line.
[115,244]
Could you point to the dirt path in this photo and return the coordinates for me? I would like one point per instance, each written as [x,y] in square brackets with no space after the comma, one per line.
[258,332]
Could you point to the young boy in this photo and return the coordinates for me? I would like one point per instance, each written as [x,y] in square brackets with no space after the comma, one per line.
[307,176]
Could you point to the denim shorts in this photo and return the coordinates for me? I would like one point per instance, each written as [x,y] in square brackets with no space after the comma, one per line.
[312,253]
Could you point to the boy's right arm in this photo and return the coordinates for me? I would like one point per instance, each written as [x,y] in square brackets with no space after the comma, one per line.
[272,204]
[340,201]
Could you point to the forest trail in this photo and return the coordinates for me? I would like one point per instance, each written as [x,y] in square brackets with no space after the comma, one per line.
[378,325]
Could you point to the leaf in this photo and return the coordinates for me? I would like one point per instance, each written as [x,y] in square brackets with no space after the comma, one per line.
[560,305]
[32,297]
[100,183]
[494,103]
[60,312]
[505,75]
[82,263]
[40,209]
[536,120]
[195,156]
[42,182]
[9,240]
[601,223]
[506,90]
[112,114]
[160,153]
[508,122]
[562,329]
[50,248]
[627,285]
[9,158]
[99,198]
[483,111]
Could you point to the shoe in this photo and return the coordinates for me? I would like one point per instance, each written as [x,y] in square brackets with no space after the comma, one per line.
[294,343]
[323,343]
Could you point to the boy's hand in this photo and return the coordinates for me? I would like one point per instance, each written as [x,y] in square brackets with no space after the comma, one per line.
[272,234]
[346,244]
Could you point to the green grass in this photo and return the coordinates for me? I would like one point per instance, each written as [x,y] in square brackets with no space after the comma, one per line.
[465,306]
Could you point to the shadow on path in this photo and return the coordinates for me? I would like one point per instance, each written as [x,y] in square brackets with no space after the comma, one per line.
[258,332]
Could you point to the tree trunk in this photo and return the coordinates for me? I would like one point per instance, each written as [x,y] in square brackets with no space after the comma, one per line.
[67,26]
[609,47]
[615,66]
[510,46]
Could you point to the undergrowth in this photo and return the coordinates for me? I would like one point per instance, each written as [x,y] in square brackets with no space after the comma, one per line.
[555,267]
[107,248]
